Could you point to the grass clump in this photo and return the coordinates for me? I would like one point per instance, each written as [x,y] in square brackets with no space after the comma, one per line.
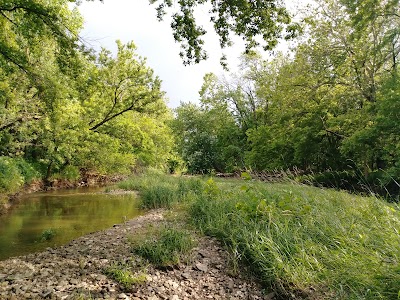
[158,190]
[48,234]
[158,196]
[125,277]
[168,247]
[299,240]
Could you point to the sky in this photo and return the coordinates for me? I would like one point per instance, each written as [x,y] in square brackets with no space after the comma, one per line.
[135,20]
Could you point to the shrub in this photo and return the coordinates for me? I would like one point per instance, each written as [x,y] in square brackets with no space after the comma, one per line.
[70,173]
[11,178]
[27,170]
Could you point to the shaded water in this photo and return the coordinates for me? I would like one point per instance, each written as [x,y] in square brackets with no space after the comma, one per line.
[49,219]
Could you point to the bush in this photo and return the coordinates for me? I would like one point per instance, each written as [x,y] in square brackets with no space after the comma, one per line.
[11,178]
[27,170]
[70,173]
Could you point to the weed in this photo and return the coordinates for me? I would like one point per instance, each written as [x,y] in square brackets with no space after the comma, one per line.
[82,262]
[125,277]
[48,234]
[157,196]
[83,296]
[168,248]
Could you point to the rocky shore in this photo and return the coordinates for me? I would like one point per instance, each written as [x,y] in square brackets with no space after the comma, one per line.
[77,271]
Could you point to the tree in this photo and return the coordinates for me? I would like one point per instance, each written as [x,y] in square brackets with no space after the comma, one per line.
[25,23]
[254,21]
[122,84]
[257,22]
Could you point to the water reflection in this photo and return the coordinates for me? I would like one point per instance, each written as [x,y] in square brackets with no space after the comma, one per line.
[60,216]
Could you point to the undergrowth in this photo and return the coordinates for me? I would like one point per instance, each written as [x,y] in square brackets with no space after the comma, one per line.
[299,240]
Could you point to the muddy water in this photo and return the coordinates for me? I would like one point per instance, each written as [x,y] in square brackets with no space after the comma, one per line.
[50,219]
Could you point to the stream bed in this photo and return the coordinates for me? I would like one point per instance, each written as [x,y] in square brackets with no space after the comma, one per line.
[54,218]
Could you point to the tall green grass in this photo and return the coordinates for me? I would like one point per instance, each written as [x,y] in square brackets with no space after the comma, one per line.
[159,190]
[167,247]
[299,240]
[307,240]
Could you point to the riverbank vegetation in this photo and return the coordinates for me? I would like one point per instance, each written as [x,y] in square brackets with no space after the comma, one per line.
[300,241]
[326,110]
[67,112]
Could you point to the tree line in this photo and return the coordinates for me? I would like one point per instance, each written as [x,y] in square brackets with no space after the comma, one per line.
[329,108]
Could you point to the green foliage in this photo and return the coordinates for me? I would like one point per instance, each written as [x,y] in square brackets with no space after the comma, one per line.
[26,169]
[27,23]
[158,196]
[328,109]
[167,248]
[189,186]
[297,239]
[11,178]
[68,119]
[207,139]
[158,190]
[69,173]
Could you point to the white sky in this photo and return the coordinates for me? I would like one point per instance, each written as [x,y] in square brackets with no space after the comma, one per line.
[135,20]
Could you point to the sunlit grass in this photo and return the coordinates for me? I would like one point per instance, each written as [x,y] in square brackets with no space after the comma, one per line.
[307,240]
[158,190]
[299,240]
[166,247]
[125,277]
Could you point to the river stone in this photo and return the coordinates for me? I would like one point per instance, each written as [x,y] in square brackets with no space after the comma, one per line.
[202,267]
[186,275]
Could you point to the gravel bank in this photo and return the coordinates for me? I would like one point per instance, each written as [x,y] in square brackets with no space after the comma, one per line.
[76,271]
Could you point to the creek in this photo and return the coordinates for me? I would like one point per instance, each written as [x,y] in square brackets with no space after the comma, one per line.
[54,218]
